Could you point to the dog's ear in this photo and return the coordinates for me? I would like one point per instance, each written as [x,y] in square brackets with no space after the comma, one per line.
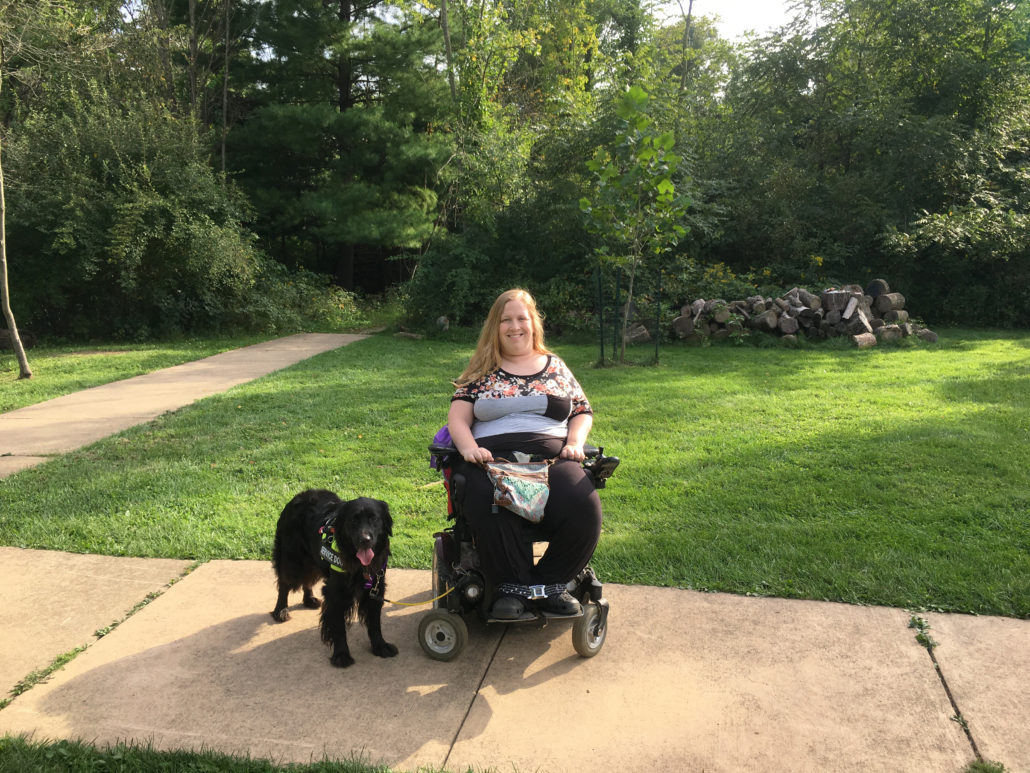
[387,519]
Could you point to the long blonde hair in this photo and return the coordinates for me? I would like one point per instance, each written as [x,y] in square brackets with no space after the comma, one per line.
[487,356]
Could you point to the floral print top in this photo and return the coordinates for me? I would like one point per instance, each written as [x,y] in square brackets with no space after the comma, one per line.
[542,403]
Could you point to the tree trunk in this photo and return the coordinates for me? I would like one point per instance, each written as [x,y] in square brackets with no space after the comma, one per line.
[445,26]
[225,84]
[888,333]
[685,44]
[809,300]
[859,323]
[864,340]
[767,320]
[24,371]
[194,48]
[890,302]
[344,71]
[683,326]
[787,325]
[835,300]
[876,288]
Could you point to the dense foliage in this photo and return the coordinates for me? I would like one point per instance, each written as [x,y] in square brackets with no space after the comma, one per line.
[179,165]
[888,139]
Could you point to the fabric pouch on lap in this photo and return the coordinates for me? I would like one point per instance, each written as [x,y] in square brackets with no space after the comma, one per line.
[521,487]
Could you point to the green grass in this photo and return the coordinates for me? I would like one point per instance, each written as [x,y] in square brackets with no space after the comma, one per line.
[17,755]
[895,476]
[60,370]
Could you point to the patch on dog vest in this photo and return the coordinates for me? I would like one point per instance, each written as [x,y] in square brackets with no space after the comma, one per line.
[331,554]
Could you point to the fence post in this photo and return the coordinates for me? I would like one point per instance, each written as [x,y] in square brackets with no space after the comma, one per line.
[658,317]
[600,311]
[615,314]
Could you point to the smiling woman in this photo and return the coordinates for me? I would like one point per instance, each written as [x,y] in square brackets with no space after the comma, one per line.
[517,398]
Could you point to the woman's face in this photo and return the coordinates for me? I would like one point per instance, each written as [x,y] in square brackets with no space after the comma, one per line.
[516,329]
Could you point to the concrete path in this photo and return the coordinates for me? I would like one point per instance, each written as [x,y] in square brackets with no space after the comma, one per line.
[686,681]
[30,435]
[182,656]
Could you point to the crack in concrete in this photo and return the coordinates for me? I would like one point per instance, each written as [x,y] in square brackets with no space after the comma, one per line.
[963,723]
[475,694]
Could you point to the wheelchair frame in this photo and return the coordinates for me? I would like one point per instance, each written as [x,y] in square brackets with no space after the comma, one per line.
[459,586]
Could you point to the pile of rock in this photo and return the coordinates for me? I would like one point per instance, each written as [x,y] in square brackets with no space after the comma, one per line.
[866,315]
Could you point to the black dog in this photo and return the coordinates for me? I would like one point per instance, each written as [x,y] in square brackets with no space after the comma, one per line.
[321,537]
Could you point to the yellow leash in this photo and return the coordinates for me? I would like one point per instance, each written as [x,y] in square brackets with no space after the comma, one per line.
[418,603]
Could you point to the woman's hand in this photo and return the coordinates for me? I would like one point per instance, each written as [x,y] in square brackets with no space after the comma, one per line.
[478,454]
[579,428]
[573,451]
[459,423]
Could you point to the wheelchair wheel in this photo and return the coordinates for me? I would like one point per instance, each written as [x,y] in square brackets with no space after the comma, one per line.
[588,632]
[442,634]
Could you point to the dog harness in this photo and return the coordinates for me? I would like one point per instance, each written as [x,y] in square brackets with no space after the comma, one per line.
[330,553]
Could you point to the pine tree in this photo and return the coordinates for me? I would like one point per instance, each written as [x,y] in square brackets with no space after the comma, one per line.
[341,143]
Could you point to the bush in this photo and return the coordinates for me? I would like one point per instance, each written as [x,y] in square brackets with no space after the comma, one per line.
[457,280]
[283,301]
[119,228]
[696,280]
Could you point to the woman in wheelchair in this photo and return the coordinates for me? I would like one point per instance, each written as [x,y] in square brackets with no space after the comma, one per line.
[517,396]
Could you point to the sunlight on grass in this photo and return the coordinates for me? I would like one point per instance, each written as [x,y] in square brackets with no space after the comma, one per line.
[895,476]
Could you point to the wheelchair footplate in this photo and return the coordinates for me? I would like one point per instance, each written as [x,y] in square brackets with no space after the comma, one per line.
[585,588]
[541,616]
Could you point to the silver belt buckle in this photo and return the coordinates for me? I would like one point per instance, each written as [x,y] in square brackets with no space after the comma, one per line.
[538,591]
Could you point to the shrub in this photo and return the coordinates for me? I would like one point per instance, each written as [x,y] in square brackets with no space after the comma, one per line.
[119,228]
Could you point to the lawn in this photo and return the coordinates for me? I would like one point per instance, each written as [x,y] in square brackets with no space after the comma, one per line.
[894,476]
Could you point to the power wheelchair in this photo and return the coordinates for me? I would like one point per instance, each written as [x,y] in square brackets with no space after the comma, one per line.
[460,587]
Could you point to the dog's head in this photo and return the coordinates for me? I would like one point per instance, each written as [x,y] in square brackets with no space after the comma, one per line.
[363,529]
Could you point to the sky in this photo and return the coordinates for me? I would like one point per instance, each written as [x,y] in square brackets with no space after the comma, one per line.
[738,16]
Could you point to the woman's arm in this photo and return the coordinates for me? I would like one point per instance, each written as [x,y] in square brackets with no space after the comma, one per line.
[459,424]
[579,428]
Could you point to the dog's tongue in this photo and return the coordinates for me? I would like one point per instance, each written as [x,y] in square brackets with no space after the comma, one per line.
[365,556]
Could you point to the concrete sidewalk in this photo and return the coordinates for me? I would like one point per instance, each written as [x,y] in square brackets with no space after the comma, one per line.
[30,435]
[686,681]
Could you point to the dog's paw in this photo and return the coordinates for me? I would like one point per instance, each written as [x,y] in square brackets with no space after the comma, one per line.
[342,660]
[312,603]
[280,615]
[384,650]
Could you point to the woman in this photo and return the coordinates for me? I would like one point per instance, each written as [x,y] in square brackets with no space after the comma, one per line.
[516,395]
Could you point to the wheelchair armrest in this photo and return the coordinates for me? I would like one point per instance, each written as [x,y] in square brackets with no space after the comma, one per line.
[443,451]
[601,467]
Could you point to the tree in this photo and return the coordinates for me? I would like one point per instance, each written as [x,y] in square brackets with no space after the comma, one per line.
[24,371]
[853,135]
[22,24]
[635,209]
[197,38]
[132,232]
[342,136]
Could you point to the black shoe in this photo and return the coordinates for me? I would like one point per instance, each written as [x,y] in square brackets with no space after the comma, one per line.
[564,604]
[507,608]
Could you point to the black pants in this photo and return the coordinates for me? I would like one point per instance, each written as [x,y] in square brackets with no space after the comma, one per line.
[571,523]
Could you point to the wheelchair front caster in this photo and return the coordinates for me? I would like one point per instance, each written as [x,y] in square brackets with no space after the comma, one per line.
[590,631]
[442,634]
